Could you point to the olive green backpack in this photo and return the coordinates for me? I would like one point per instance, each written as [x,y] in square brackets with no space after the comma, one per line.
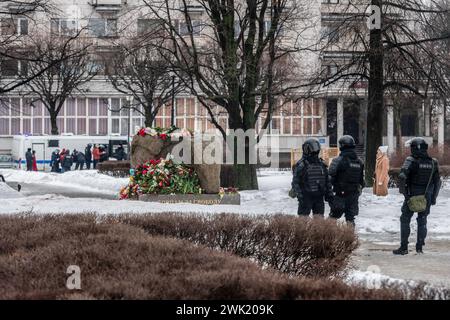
[419,203]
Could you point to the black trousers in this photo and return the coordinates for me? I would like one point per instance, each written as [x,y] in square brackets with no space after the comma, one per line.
[88,164]
[315,204]
[351,208]
[405,227]
[79,165]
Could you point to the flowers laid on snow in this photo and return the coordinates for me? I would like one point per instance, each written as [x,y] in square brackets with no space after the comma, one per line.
[224,191]
[162,176]
[131,191]
[164,133]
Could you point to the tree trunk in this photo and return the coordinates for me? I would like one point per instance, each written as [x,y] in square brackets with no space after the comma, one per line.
[375,104]
[53,123]
[398,131]
[244,175]
[148,120]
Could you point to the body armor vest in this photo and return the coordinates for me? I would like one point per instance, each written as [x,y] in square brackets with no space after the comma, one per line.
[424,171]
[350,177]
[315,178]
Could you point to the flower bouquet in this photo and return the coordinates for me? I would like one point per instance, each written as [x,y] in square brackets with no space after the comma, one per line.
[163,176]
[165,134]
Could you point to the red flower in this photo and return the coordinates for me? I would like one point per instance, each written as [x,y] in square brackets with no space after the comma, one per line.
[142,132]
[161,184]
[163,136]
[144,172]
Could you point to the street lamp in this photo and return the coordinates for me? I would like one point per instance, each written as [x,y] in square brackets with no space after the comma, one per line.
[172,112]
[129,100]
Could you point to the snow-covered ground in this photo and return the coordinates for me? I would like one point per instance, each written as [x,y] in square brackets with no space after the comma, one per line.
[378,215]
[377,224]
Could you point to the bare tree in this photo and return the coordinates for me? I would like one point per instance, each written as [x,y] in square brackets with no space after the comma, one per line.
[67,66]
[239,55]
[395,55]
[137,69]
[15,18]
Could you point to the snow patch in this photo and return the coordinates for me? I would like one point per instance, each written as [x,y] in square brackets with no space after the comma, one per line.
[6,192]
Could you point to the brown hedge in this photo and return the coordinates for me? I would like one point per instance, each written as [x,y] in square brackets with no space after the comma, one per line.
[290,244]
[115,168]
[120,261]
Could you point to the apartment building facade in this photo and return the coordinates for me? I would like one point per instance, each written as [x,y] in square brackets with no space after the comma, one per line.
[97,109]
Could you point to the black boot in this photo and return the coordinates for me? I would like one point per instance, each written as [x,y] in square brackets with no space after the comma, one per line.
[401,251]
[419,249]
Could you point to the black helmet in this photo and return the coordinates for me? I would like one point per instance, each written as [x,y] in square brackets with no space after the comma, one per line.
[418,144]
[346,142]
[311,146]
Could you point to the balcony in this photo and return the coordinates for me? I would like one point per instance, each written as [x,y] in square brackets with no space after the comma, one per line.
[108,5]
[192,6]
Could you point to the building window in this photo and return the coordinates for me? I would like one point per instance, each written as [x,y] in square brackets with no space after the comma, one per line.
[64,27]
[14,26]
[182,27]
[330,33]
[13,67]
[103,27]
[145,26]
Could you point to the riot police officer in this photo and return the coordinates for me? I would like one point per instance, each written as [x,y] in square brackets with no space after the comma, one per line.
[418,176]
[347,177]
[310,182]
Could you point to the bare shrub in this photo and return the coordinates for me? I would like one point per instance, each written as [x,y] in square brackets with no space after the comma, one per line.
[290,244]
[120,261]
[115,168]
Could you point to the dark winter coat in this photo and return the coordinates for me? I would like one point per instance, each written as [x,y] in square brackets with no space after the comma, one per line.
[415,175]
[29,158]
[55,158]
[120,154]
[347,173]
[307,169]
[80,158]
[67,162]
[88,154]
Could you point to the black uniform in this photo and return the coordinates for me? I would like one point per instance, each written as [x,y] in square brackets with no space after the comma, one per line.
[29,160]
[67,162]
[88,156]
[417,172]
[54,163]
[120,154]
[347,177]
[311,185]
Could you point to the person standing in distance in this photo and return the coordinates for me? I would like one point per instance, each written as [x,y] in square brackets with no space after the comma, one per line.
[29,159]
[418,176]
[310,182]
[347,177]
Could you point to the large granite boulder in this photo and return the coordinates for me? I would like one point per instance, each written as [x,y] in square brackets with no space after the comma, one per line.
[148,147]
[145,148]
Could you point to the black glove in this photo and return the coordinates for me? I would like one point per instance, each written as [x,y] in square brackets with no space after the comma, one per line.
[329,197]
[300,198]
[433,202]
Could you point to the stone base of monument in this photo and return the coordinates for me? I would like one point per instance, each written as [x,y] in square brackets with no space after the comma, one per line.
[207,199]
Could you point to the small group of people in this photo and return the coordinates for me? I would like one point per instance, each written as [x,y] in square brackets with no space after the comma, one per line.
[62,161]
[30,158]
[341,185]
